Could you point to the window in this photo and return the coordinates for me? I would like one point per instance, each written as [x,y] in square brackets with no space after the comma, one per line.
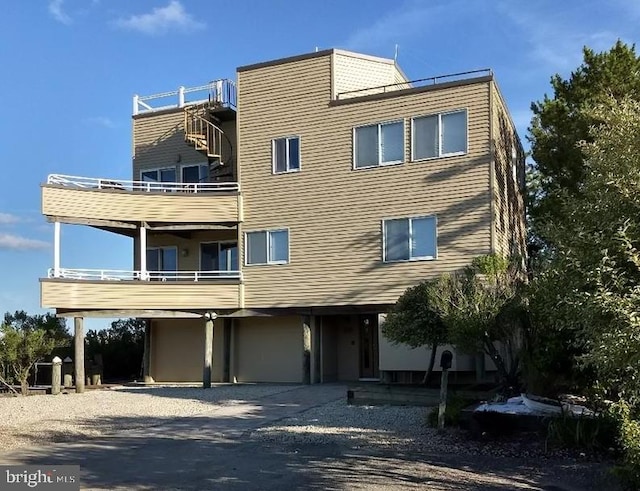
[407,239]
[267,247]
[439,135]
[195,173]
[161,260]
[286,154]
[219,256]
[379,144]
[159,175]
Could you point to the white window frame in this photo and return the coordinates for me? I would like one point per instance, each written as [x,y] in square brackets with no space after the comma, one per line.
[199,164]
[411,259]
[380,163]
[268,245]
[219,242]
[288,170]
[440,154]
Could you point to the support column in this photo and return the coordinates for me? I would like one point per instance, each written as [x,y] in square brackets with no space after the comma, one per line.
[143,252]
[316,360]
[146,358]
[306,349]
[208,349]
[56,249]
[226,351]
[78,323]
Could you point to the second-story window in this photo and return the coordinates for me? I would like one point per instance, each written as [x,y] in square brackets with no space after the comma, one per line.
[379,144]
[159,175]
[439,135]
[195,173]
[267,247]
[286,154]
[409,239]
[162,262]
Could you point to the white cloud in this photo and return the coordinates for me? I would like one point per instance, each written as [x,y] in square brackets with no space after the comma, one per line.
[17,242]
[101,121]
[8,218]
[161,20]
[55,9]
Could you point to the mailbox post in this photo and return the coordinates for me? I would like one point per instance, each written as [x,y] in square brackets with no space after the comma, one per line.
[445,363]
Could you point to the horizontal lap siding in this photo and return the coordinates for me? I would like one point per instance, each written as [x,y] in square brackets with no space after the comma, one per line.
[353,73]
[334,213]
[126,206]
[66,294]
[158,139]
[509,203]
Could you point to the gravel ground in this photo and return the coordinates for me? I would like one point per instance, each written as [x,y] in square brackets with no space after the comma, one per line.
[36,419]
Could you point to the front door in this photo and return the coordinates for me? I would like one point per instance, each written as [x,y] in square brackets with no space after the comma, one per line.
[368,346]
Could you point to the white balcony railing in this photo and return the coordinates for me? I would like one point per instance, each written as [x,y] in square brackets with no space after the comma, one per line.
[144,186]
[124,275]
[220,93]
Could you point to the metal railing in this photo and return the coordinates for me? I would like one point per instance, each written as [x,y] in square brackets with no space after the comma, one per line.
[422,82]
[144,186]
[125,275]
[219,93]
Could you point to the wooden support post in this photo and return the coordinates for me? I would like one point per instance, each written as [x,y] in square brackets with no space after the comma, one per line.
[56,375]
[67,373]
[226,352]
[208,350]
[78,324]
[316,352]
[443,397]
[306,350]
[146,358]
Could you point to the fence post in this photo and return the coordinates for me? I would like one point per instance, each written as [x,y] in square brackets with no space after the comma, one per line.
[56,375]
[67,370]
[135,105]
[180,96]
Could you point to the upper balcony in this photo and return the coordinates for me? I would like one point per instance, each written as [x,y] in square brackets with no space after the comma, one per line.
[219,95]
[120,204]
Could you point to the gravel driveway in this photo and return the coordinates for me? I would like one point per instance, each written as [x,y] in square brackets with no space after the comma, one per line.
[265,437]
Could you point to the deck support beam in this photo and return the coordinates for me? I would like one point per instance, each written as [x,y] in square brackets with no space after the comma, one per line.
[306,349]
[146,358]
[78,324]
[208,349]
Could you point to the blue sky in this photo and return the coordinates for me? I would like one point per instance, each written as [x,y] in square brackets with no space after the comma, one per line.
[71,67]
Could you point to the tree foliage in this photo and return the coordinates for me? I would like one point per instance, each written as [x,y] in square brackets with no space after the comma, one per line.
[482,306]
[414,321]
[121,347]
[590,285]
[561,122]
[26,339]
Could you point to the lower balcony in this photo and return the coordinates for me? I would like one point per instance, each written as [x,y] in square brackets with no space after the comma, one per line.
[90,289]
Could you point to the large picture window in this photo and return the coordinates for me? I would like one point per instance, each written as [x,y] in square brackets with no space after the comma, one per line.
[439,135]
[267,247]
[286,154]
[407,239]
[379,144]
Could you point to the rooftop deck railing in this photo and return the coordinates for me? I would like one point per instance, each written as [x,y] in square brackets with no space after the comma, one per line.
[422,82]
[125,275]
[144,186]
[221,93]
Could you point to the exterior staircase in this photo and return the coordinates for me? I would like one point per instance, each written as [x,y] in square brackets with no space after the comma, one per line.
[201,133]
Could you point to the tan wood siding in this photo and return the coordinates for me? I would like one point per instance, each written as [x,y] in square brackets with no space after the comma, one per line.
[334,213]
[159,142]
[508,197]
[120,295]
[355,73]
[268,349]
[60,201]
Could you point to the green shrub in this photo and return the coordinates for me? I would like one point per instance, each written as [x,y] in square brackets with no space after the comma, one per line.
[455,405]
[629,442]
[590,434]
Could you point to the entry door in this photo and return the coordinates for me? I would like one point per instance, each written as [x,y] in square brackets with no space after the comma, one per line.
[369,346]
